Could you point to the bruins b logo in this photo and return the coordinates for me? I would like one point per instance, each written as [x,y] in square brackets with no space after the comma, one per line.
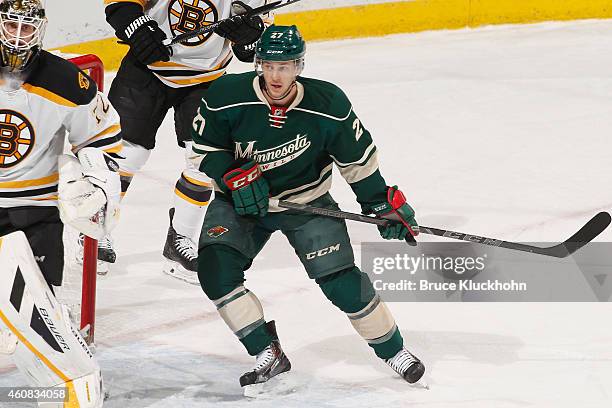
[189,15]
[83,81]
[16,137]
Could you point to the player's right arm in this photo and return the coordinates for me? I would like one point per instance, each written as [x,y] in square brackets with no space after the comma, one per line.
[136,28]
[212,143]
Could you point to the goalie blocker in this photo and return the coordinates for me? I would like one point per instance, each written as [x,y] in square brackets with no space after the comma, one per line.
[37,331]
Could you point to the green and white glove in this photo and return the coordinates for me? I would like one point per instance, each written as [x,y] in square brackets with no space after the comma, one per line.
[396,209]
[250,191]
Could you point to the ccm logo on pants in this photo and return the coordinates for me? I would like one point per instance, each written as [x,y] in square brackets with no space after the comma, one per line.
[323,252]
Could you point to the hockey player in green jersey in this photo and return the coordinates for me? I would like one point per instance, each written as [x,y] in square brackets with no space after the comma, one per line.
[275,134]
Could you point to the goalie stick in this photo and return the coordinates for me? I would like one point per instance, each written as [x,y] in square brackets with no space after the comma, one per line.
[266,8]
[586,234]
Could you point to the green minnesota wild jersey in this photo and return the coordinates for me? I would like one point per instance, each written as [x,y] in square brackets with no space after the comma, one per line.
[296,147]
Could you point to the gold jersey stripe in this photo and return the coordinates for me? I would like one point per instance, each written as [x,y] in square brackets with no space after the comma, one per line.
[190,200]
[111,129]
[31,183]
[114,149]
[191,81]
[141,2]
[48,95]
[165,65]
[50,198]
[197,182]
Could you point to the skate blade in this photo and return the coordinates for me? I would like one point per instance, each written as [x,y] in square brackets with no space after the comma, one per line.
[175,270]
[278,385]
[422,384]
[103,268]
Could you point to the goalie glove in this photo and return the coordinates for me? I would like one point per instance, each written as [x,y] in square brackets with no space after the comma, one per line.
[396,209]
[89,192]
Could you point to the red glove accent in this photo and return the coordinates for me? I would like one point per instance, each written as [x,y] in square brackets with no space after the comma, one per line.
[397,199]
[238,178]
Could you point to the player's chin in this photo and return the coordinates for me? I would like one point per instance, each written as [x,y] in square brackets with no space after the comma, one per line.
[277,91]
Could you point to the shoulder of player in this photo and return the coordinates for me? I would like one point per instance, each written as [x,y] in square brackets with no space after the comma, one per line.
[231,90]
[60,81]
[324,99]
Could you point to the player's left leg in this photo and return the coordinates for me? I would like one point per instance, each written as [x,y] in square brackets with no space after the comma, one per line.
[192,193]
[324,248]
[228,245]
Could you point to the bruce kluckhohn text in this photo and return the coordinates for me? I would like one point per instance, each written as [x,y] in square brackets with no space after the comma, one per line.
[424,285]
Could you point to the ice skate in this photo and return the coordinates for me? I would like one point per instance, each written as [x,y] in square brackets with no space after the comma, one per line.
[408,366]
[269,363]
[106,253]
[181,255]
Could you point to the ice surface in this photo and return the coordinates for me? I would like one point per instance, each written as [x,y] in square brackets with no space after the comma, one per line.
[502,131]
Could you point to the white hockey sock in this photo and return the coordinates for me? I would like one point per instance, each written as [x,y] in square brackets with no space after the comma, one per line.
[191,197]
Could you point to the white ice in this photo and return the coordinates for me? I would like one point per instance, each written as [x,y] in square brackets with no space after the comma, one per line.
[502,131]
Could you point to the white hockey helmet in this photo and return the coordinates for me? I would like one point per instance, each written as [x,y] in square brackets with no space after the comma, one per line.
[22,28]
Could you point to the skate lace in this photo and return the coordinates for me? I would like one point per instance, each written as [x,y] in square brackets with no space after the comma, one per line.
[264,359]
[105,243]
[401,361]
[185,247]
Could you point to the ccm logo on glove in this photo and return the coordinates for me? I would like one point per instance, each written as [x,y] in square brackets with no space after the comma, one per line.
[239,178]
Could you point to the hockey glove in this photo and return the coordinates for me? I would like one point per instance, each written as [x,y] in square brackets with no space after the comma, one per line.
[250,191]
[145,39]
[396,209]
[245,53]
[240,29]
[89,192]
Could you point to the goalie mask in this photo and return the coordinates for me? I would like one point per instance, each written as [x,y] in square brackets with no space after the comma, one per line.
[22,27]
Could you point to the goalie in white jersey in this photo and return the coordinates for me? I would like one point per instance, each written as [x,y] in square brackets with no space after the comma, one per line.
[154,78]
[42,97]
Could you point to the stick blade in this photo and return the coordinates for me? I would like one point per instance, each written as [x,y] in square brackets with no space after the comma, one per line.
[586,234]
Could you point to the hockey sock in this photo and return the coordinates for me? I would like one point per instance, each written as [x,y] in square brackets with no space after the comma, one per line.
[191,197]
[352,292]
[131,159]
[221,274]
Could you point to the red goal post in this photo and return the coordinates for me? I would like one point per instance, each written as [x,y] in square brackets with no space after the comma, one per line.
[95,68]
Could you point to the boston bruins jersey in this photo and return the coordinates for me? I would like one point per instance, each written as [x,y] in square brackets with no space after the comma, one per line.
[200,59]
[56,98]
[296,147]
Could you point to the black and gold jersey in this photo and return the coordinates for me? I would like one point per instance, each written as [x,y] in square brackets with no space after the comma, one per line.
[56,99]
[200,59]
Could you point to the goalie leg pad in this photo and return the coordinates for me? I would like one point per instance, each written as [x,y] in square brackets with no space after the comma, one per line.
[51,352]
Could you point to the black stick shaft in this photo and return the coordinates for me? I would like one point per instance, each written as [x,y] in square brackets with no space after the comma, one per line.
[587,233]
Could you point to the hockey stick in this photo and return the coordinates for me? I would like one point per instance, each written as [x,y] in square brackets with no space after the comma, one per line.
[586,234]
[266,8]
